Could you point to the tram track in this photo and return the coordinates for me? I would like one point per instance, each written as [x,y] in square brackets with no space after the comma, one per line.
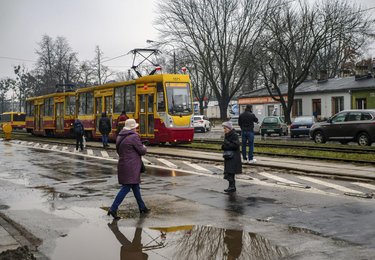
[359,150]
[172,153]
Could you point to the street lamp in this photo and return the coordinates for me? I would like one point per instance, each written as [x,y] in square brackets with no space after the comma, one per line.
[174,52]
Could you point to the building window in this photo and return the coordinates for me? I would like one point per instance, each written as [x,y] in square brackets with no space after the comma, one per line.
[317,108]
[297,108]
[361,103]
[337,104]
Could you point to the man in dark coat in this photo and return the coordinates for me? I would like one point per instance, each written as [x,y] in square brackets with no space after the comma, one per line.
[105,128]
[232,165]
[79,130]
[130,149]
[246,122]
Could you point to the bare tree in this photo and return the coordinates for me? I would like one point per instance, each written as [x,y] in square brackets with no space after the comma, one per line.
[5,85]
[102,72]
[217,33]
[294,35]
[25,85]
[57,63]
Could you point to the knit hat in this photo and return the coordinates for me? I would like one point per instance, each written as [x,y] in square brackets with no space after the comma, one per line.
[130,124]
[228,125]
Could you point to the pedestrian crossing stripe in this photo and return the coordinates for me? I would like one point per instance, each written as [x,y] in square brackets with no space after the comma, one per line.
[197,167]
[90,152]
[276,178]
[365,185]
[104,154]
[168,163]
[145,161]
[54,147]
[328,184]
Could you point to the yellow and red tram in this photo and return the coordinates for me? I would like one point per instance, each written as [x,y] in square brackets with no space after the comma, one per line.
[161,104]
[51,115]
[15,119]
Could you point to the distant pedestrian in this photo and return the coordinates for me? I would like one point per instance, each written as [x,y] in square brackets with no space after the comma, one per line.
[130,149]
[105,128]
[232,156]
[79,131]
[121,122]
[246,122]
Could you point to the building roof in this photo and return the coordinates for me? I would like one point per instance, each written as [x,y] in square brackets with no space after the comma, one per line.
[313,86]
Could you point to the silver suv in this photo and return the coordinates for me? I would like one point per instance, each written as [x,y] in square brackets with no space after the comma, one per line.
[345,126]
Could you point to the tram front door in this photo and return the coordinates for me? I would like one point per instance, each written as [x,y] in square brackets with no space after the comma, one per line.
[146,114]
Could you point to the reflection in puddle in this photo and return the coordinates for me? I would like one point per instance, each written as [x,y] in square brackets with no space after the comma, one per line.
[164,172]
[180,242]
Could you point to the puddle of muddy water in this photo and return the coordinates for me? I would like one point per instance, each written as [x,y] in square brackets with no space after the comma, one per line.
[114,241]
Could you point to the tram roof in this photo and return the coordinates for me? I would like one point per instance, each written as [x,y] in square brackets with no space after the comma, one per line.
[56,94]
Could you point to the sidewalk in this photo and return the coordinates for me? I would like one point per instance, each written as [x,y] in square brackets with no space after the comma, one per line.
[7,241]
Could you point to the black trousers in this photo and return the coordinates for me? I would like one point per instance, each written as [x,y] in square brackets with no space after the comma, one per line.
[79,141]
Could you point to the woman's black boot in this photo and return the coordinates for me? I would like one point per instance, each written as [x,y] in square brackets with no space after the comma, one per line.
[145,211]
[113,214]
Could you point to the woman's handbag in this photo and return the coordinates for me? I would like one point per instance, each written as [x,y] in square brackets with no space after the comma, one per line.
[228,154]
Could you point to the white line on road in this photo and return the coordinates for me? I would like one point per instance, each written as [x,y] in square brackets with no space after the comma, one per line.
[220,167]
[328,184]
[64,148]
[36,145]
[90,152]
[145,161]
[45,146]
[54,147]
[104,154]
[365,185]
[197,167]
[168,163]
[276,178]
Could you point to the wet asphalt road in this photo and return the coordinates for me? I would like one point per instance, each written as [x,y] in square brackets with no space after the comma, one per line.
[62,198]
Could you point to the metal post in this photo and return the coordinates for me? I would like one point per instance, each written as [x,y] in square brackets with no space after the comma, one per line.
[174,61]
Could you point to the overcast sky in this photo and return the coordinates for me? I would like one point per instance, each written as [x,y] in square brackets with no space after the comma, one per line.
[117,26]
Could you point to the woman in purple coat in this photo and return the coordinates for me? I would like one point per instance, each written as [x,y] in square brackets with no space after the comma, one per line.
[130,149]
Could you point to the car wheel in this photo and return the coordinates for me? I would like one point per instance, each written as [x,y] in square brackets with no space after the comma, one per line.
[204,129]
[292,135]
[286,132]
[319,137]
[268,134]
[363,139]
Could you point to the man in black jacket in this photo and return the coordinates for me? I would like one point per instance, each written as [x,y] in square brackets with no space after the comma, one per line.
[105,128]
[246,121]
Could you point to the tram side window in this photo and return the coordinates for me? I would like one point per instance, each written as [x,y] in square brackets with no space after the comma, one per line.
[29,108]
[119,99]
[70,105]
[160,98]
[86,103]
[19,117]
[129,99]
[48,106]
[5,118]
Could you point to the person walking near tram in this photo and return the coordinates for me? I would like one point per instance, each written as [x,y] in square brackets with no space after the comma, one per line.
[232,156]
[130,149]
[79,130]
[121,122]
[105,128]
[246,122]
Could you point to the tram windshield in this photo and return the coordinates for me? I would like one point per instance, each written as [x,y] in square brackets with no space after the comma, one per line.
[179,98]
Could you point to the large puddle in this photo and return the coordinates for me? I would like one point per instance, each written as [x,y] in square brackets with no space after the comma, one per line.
[114,241]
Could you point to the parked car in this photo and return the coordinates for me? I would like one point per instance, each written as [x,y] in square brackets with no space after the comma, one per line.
[234,120]
[201,123]
[346,126]
[301,125]
[273,125]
